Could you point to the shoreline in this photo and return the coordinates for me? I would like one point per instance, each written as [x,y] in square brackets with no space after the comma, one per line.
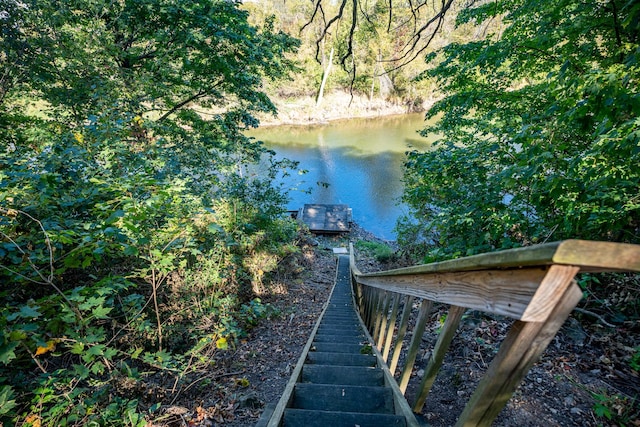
[337,105]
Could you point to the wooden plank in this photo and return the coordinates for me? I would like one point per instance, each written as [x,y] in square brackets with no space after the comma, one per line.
[588,255]
[372,304]
[375,301]
[503,292]
[382,297]
[392,326]
[402,330]
[368,301]
[416,339]
[437,356]
[359,298]
[352,262]
[314,216]
[548,294]
[598,256]
[326,218]
[389,296]
[522,347]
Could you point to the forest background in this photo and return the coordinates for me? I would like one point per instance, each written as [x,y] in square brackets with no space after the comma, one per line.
[140,226]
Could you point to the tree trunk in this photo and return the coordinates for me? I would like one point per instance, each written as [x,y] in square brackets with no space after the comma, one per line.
[325,75]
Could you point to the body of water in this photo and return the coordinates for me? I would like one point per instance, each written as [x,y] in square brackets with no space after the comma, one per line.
[357,162]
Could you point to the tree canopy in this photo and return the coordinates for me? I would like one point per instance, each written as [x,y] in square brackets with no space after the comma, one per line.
[540,131]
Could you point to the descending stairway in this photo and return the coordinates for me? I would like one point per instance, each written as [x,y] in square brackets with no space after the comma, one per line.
[341,382]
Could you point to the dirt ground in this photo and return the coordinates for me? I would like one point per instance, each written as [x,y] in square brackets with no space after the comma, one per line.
[585,377]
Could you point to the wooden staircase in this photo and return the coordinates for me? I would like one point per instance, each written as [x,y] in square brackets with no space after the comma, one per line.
[341,381]
[342,377]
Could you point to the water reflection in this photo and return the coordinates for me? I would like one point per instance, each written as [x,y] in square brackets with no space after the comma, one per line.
[357,162]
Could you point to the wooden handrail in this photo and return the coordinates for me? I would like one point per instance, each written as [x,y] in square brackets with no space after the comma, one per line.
[534,285]
[590,256]
[514,283]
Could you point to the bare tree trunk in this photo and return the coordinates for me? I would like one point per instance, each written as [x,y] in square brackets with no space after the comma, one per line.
[376,66]
[373,87]
[325,75]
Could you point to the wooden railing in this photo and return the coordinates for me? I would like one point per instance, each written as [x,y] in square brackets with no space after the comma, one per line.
[534,285]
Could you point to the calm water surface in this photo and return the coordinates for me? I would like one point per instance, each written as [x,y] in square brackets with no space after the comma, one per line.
[357,162]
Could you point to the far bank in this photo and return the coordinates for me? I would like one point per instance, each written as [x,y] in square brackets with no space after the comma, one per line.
[338,105]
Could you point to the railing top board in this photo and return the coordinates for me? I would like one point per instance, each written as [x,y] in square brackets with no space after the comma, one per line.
[589,256]
[523,283]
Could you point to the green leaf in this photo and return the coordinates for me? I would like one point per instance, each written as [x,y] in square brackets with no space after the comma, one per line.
[110,353]
[97,368]
[17,335]
[101,312]
[81,371]
[215,228]
[93,352]
[92,303]
[130,250]
[77,348]
[114,217]
[7,403]
[602,411]
[7,353]
[136,353]
[28,312]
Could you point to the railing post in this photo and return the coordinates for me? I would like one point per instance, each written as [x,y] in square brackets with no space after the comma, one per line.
[391,328]
[383,319]
[371,297]
[379,307]
[402,330]
[416,339]
[439,351]
[522,346]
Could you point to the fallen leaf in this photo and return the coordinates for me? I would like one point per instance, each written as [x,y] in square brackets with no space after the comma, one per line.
[51,345]
[34,420]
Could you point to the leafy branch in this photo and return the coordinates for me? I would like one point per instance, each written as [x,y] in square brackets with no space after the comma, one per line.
[44,280]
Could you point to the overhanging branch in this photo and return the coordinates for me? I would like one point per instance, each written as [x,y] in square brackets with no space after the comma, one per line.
[182,103]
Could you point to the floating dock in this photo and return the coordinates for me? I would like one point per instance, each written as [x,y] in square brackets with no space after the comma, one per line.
[326,219]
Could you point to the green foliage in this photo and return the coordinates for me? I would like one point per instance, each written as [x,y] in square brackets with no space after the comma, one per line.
[616,409]
[252,312]
[540,132]
[381,252]
[366,349]
[635,360]
[131,205]
[7,401]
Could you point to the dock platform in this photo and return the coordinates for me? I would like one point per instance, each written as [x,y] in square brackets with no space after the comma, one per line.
[326,219]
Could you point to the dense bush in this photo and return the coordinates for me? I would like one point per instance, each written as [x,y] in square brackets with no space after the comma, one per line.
[136,220]
[540,131]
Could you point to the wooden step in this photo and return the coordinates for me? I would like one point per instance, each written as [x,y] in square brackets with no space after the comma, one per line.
[346,375]
[338,323]
[334,338]
[341,331]
[332,347]
[341,359]
[311,418]
[346,314]
[345,398]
